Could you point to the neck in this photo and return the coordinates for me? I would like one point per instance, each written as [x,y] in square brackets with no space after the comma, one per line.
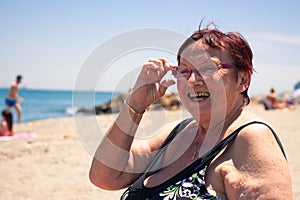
[216,126]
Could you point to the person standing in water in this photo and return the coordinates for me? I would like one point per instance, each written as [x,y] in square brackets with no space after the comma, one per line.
[13,99]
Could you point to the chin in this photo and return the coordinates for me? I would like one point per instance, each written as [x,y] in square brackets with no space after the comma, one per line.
[198,110]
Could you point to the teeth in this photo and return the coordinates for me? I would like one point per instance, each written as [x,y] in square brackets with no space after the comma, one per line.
[199,95]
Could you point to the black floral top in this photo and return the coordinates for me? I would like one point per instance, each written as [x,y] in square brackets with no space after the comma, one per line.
[192,187]
[189,184]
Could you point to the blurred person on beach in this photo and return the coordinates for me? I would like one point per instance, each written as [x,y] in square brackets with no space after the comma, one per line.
[222,152]
[272,102]
[6,127]
[13,99]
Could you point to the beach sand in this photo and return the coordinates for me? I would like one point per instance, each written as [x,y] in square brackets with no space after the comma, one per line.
[55,163]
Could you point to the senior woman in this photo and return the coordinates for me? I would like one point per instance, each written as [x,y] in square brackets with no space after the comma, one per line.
[222,152]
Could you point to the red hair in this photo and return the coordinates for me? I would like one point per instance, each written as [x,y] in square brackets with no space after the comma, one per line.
[233,42]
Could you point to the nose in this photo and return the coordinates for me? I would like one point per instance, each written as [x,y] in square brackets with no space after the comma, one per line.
[195,78]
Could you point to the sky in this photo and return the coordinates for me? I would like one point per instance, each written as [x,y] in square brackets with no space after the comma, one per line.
[49,42]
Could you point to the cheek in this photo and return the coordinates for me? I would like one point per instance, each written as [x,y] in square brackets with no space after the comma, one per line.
[182,85]
[216,85]
[222,89]
[232,92]
[183,88]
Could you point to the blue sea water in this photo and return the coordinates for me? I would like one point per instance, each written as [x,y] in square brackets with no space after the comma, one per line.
[45,104]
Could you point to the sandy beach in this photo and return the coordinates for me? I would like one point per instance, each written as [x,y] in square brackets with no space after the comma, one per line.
[55,163]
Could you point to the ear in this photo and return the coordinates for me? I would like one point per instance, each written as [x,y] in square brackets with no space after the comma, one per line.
[244,79]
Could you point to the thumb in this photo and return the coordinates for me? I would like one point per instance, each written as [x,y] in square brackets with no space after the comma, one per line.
[164,85]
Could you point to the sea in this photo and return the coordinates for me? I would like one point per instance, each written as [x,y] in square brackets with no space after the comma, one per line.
[45,104]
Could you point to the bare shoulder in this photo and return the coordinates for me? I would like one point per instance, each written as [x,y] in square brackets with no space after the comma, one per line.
[14,85]
[257,139]
[259,164]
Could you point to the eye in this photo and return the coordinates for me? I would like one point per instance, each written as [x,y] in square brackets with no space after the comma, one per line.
[184,71]
[208,69]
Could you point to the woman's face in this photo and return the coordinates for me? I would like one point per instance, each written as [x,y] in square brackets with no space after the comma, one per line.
[206,88]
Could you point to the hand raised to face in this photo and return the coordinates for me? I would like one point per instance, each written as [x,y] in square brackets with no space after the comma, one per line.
[150,85]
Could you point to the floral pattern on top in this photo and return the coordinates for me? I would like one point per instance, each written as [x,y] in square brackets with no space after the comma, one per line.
[193,188]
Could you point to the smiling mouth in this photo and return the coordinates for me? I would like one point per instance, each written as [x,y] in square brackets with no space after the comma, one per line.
[198,96]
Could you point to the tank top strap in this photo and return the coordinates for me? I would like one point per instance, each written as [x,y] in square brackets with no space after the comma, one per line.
[210,155]
[175,131]
[156,162]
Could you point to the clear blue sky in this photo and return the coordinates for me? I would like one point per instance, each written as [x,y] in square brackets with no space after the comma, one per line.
[48,41]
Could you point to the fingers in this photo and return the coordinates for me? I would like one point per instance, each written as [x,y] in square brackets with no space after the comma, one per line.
[150,85]
[165,84]
[155,69]
[153,72]
[150,65]
[162,63]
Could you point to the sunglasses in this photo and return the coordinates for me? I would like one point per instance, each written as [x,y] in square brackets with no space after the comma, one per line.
[205,70]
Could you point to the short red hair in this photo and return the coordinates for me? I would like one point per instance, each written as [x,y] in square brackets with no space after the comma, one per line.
[233,42]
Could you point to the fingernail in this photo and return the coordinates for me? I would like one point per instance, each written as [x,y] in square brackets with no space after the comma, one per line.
[173,67]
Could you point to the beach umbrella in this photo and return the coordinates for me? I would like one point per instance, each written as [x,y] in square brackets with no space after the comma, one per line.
[297,86]
[296,92]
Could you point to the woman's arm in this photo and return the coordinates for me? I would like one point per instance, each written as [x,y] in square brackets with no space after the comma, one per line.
[258,169]
[119,160]
[112,166]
